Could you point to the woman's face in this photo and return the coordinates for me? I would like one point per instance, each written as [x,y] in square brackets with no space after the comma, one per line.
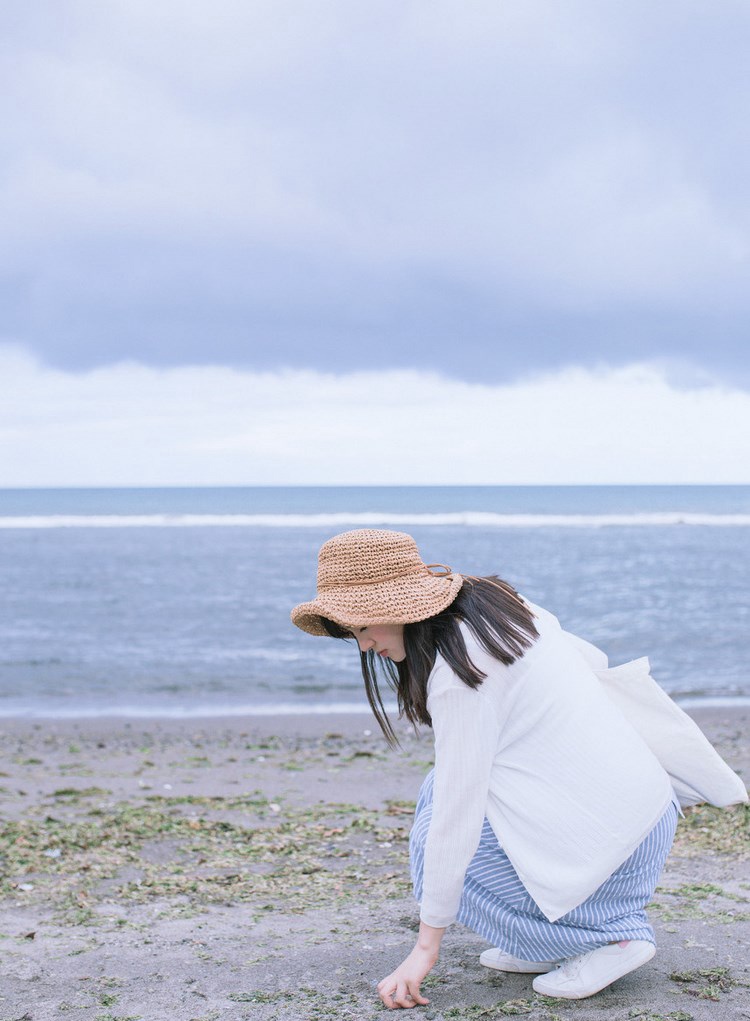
[386,640]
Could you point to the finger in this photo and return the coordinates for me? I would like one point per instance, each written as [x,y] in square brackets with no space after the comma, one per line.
[414,995]
[390,980]
[402,997]
[386,989]
[417,997]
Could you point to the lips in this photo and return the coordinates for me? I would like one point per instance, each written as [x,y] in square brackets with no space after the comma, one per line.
[384,654]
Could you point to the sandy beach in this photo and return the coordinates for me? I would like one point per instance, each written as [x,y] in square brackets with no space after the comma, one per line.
[257,868]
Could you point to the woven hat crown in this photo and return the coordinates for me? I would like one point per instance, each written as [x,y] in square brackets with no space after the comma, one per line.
[375,576]
[367,556]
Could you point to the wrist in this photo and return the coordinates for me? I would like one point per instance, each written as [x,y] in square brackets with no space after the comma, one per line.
[429,939]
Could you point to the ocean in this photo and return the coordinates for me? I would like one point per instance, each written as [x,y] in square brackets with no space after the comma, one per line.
[175,602]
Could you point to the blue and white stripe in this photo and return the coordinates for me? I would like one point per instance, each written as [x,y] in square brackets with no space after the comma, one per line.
[496,905]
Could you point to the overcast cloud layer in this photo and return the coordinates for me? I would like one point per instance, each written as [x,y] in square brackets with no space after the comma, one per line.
[485,190]
[135,425]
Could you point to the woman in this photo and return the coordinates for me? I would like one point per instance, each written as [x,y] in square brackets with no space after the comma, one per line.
[547,818]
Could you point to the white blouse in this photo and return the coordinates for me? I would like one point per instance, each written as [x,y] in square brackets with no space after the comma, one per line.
[567,784]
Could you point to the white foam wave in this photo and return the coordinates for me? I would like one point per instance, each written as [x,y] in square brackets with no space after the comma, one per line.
[369,519]
[197,711]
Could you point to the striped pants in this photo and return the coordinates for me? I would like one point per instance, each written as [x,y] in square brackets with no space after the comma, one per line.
[496,904]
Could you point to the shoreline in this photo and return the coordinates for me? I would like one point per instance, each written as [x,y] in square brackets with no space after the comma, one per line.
[188,869]
[706,713]
[696,706]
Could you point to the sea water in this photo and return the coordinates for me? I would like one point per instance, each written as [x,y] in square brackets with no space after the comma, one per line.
[176,601]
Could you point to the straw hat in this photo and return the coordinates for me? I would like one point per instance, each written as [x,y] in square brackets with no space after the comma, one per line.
[374,576]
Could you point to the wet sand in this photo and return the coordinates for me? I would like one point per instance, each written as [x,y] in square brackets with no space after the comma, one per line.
[256,867]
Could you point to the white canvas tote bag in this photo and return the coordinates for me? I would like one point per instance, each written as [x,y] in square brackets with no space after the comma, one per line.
[698,772]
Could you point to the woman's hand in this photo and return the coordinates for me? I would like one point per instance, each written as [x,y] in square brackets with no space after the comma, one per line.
[401,987]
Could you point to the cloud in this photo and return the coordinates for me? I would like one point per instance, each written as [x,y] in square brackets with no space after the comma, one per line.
[135,425]
[485,191]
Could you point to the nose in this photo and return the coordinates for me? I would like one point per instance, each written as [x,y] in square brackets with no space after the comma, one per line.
[365,643]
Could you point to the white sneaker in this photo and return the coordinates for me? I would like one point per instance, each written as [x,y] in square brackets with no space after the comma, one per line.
[500,961]
[589,973]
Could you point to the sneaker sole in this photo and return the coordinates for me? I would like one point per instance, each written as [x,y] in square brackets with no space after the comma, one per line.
[643,956]
[517,968]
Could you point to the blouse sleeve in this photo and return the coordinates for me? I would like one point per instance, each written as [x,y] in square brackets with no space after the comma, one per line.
[466,739]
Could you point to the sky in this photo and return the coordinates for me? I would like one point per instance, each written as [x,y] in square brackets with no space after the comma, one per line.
[249,242]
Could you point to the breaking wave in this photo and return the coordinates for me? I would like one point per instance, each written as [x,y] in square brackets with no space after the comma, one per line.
[377,519]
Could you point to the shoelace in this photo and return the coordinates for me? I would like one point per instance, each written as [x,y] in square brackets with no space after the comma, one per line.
[572,966]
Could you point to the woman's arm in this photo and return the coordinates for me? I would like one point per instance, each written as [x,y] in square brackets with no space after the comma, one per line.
[466,741]
[466,734]
[401,987]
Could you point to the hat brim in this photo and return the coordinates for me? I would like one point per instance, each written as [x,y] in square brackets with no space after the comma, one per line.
[409,601]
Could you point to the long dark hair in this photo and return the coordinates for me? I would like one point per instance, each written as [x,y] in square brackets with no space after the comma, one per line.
[498,617]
